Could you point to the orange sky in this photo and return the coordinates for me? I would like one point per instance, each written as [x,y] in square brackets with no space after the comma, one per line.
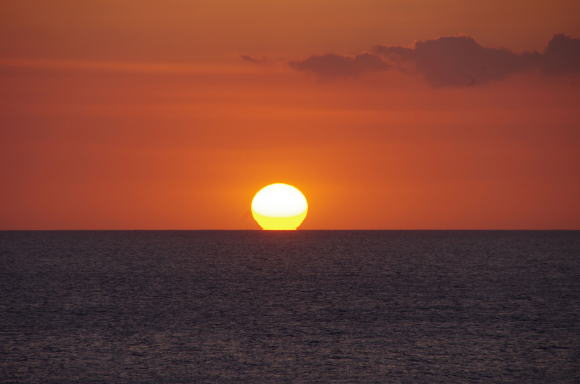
[142,115]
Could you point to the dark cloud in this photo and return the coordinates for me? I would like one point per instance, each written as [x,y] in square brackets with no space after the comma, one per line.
[452,61]
[457,61]
[562,56]
[341,66]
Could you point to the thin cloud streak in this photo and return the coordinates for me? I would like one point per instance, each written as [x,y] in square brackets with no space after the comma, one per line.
[331,65]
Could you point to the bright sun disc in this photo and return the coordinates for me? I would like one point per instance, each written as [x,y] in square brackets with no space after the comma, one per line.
[279,207]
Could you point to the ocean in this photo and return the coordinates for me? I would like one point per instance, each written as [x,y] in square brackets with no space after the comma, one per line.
[290,307]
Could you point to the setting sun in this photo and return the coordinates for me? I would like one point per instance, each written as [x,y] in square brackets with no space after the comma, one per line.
[279,207]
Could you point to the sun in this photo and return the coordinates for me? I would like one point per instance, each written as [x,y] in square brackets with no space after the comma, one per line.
[279,207]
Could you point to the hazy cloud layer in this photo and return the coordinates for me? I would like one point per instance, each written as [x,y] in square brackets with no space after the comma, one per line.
[451,61]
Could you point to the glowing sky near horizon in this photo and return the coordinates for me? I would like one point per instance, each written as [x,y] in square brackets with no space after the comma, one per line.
[144,115]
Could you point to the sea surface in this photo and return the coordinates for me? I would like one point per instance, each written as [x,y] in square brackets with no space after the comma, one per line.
[290,307]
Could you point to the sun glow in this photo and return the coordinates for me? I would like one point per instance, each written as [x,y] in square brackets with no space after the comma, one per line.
[279,207]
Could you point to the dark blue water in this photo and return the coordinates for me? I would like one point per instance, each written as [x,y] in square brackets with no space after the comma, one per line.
[290,307]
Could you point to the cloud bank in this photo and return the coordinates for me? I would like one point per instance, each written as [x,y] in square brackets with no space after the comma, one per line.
[456,61]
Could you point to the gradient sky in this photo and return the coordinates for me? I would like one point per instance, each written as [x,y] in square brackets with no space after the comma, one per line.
[118,114]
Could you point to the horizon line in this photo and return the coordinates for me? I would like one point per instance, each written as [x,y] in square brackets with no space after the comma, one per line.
[297,230]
